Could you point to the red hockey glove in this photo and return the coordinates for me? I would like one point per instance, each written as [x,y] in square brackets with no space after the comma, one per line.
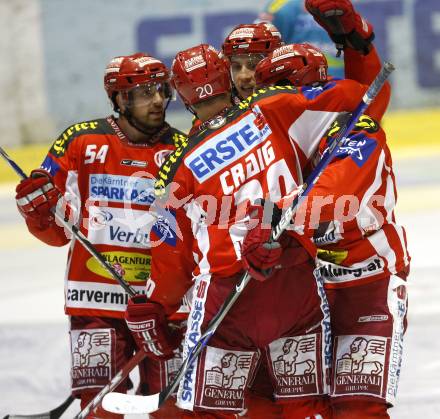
[36,196]
[261,256]
[344,25]
[147,323]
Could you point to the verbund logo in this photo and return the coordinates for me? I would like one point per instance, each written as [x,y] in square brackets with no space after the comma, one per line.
[120,227]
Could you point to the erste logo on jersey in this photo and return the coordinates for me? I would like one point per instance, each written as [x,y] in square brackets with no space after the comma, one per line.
[113,188]
[226,148]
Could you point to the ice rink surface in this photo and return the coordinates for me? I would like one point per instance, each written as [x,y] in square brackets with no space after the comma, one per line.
[34,357]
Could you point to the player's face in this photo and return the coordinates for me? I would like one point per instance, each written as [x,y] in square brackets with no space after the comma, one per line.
[243,73]
[147,103]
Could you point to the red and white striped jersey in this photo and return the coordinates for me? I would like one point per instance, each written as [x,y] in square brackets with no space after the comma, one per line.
[256,149]
[350,211]
[109,185]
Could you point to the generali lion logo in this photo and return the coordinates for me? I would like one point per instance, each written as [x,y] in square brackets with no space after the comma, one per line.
[86,354]
[91,357]
[288,364]
[357,360]
[360,364]
[226,375]
[295,365]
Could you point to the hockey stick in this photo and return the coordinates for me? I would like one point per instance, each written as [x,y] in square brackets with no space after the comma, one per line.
[135,360]
[132,404]
[51,414]
[115,381]
[77,233]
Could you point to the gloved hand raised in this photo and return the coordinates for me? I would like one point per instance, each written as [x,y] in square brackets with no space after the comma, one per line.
[344,25]
[36,196]
[148,325]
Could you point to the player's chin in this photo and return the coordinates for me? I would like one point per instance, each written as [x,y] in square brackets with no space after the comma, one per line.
[155,119]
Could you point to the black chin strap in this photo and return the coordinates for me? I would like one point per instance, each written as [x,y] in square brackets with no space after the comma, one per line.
[152,133]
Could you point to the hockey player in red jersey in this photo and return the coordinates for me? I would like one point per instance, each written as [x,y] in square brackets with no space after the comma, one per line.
[362,256]
[105,169]
[244,47]
[256,149]
[248,44]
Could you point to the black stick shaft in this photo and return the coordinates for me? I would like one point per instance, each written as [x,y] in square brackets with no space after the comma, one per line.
[77,234]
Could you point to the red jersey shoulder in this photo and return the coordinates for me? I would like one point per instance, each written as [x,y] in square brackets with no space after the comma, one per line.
[75,131]
[268,94]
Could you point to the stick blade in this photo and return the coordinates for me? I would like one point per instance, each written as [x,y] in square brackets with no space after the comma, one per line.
[130,404]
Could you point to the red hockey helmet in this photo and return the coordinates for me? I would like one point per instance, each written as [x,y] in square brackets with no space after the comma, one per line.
[126,72]
[200,73]
[255,38]
[301,64]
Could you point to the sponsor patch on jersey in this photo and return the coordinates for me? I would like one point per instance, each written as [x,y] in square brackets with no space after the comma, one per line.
[226,373]
[133,267]
[373,318]
[120,227]
[128,189]
[332,256]
[92,363]
[295,365]
[335,273]
[161,156]
[358,147]
[50,165]
[360,365]
[217,122]
[312,92]
[98,296]
[165,227]
[134,163]
[226,147]
[326,233]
